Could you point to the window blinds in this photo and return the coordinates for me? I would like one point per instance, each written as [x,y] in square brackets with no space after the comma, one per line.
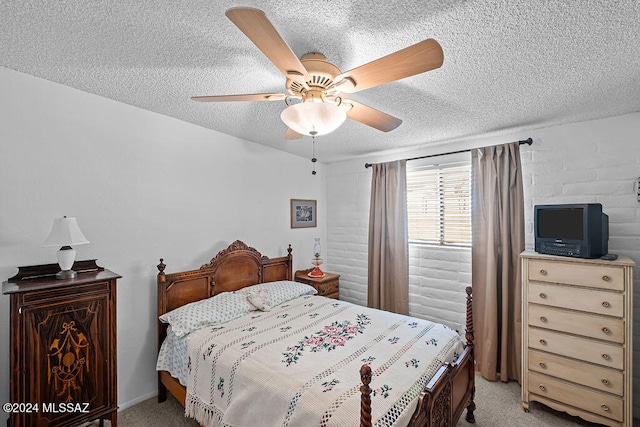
[439,204]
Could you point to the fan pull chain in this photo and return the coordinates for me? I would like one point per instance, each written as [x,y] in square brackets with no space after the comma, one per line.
[313,152]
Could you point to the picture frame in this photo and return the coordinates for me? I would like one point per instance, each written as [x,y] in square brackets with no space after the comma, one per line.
[304,213]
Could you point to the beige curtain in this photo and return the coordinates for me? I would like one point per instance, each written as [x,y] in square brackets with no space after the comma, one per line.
[388,238]
[498,240]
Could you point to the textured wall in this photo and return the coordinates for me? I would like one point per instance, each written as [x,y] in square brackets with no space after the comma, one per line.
[593,161]
[437,281]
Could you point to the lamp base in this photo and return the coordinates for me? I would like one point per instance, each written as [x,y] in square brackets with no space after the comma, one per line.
[316,272]
[66,274]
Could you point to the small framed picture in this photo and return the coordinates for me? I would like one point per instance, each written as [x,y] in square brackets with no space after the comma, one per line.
[303,213]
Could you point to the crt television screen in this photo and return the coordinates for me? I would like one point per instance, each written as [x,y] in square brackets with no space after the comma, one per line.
[560,223]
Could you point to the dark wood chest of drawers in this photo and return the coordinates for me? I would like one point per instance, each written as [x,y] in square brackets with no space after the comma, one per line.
[63,349]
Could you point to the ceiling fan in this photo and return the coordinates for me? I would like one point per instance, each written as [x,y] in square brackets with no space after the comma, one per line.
[317,90]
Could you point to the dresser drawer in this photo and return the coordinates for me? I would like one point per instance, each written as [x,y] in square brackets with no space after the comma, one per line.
[605,379]
[327,289]
[599,403]
[596,276]
[589,350]
[588,325]
[591,300]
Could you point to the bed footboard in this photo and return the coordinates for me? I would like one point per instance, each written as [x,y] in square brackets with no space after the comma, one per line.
[450,391]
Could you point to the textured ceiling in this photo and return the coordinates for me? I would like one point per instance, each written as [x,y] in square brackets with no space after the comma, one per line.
[519,64]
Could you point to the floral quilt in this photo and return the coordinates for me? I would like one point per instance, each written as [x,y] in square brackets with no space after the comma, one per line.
[298,365]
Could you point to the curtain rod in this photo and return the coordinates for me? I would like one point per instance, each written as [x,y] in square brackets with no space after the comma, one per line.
[527,141]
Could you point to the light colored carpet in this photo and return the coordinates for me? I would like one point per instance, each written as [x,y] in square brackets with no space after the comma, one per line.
[498,404]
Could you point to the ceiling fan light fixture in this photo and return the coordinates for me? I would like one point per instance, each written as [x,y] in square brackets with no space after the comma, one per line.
[320,85]
[308,117]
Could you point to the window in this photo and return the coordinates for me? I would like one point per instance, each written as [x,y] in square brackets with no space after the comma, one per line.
[439,204]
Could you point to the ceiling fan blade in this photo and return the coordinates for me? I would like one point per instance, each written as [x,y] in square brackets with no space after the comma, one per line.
[257,27]
[292,134]
[418,58]
[372,117]
[245,97]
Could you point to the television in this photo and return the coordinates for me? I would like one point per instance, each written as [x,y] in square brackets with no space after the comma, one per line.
[575,230]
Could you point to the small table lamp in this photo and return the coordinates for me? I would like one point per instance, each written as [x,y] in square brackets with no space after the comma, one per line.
[65,232]
[317,261]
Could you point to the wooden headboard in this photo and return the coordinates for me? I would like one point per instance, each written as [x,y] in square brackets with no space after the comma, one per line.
[233,268]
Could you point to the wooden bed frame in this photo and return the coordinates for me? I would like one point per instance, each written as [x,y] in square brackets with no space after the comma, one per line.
[441,404]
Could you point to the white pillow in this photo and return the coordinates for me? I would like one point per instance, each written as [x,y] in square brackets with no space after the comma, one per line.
[280,291]
[217,309]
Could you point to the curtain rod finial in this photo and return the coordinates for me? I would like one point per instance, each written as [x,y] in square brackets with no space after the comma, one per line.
[368,165]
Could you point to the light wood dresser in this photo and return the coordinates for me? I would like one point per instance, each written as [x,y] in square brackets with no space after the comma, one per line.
[577,336]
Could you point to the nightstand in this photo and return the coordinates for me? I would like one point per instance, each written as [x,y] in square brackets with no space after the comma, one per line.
[327,286]
[63,345]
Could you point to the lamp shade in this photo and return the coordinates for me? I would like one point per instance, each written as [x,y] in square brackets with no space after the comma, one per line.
[309,117]
[65,232]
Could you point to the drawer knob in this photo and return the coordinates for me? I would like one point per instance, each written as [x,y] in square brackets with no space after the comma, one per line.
[606,278]
[543,295]
[605,381]
[606,356]
[604,407]
[544,342]
[542,387]
[606,304]
[543,365]
[543,319]
[606,330]
[543,272]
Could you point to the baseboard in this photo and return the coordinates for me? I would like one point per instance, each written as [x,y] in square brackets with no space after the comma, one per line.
[129,404]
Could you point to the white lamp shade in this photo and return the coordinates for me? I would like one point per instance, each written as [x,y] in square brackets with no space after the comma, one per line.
[310,117]
[65,232]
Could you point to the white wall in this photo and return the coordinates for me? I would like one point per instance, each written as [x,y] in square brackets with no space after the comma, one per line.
[143,186]
[594,161]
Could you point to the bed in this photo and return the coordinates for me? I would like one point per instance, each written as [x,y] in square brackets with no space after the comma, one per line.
[445,390]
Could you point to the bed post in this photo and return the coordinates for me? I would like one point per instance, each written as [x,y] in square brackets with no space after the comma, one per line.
[365,396]
[161,280]
[289,263]
[469,337]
